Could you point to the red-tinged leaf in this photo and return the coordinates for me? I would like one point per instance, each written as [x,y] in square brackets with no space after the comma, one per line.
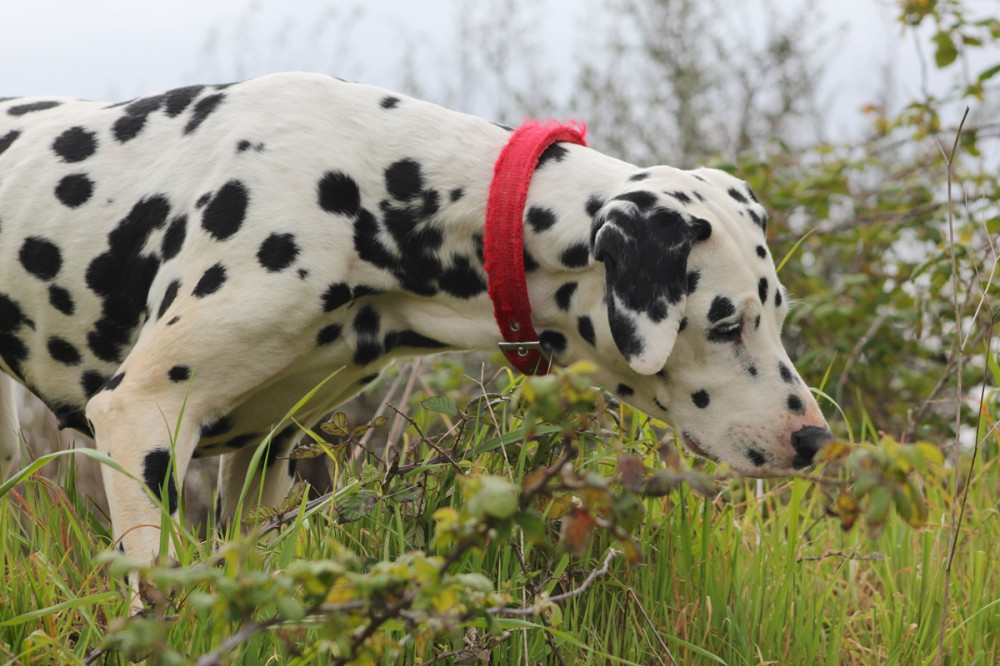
[577,531]
[631,473]
[834,451]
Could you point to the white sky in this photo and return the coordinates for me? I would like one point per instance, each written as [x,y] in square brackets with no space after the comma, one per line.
[117,49]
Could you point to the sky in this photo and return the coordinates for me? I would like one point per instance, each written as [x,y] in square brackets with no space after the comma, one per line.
[118,49]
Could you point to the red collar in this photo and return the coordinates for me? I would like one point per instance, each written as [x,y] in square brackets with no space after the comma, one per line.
[503,239]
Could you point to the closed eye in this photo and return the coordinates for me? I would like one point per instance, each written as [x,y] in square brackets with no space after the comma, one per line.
[728,331]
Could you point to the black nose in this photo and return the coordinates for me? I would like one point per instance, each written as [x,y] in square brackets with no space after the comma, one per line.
[807,441]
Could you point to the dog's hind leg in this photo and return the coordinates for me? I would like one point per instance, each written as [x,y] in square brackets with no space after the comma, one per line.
[270,483]
[10,439]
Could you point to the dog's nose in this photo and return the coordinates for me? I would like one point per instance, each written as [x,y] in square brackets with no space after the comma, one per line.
[807,441]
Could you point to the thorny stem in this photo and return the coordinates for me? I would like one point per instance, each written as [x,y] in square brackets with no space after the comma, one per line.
[954,526]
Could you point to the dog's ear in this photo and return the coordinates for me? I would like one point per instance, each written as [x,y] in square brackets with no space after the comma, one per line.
[644,248]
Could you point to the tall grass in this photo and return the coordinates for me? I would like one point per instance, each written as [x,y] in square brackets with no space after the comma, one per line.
[726,577]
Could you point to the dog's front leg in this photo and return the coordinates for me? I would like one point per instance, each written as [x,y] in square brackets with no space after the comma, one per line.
[136,430]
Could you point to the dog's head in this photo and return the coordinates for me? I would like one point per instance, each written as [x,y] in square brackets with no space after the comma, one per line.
[695,310]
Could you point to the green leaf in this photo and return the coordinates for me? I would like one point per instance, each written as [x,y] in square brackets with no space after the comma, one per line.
[356,506]
[440,404]
[532,525]
[497,497]
[946,52]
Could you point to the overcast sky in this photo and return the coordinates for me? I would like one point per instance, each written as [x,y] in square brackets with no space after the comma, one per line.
[118,49]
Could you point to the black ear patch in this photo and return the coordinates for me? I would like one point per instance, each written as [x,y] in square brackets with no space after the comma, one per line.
[644,248]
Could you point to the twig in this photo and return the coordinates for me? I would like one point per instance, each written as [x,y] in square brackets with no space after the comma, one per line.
[397,426]
[649,621]
[559,598]
[518,552]
[856,354]
[950,161]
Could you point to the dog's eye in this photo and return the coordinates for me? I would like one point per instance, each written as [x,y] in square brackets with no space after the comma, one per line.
[726,332]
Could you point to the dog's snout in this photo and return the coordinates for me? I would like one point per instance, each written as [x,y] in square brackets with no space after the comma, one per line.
[807,441]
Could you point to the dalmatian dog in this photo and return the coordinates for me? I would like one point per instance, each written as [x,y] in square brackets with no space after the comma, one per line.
[177,271]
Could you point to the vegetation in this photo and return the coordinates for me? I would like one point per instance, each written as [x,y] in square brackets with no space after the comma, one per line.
[515,521]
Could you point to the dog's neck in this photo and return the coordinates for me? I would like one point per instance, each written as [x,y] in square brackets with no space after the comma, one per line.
[557,250]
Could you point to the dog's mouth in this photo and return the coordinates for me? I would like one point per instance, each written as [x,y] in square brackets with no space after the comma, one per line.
[695,448]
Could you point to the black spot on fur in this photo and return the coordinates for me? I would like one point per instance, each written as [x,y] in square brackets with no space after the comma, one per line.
[202,110]
[410,340]
[752,369]
[74,190]
[643,199]
[787,375]
[529,262]
[721,308]
[339,194]
[277,252]
[173,239]
[61,300]
[554,153]
[389,102]
[168,297]
[756,456]
[40,257]
[692,281]
[682,197]
[553,342]
[700,399]
[31,107]
[216,428]
[91,382]
[454,195]
[336,295]
[761,251]
[575,256]
[156,473]
[404,180]
[328,334]
[642,175]
[211,281]
[368,379]
[225,212]
[179,373]
[366,326]
[625,391]
[7,139]
[736,194]
[565,294]
[63,352]
[75,144]
[777,298]
[762,289]
[540,218]
[585,328]
[70,416]
[122,276]
[461,279]
[594,204]
[795,404]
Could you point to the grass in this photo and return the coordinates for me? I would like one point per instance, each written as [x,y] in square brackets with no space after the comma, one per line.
[728,578]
